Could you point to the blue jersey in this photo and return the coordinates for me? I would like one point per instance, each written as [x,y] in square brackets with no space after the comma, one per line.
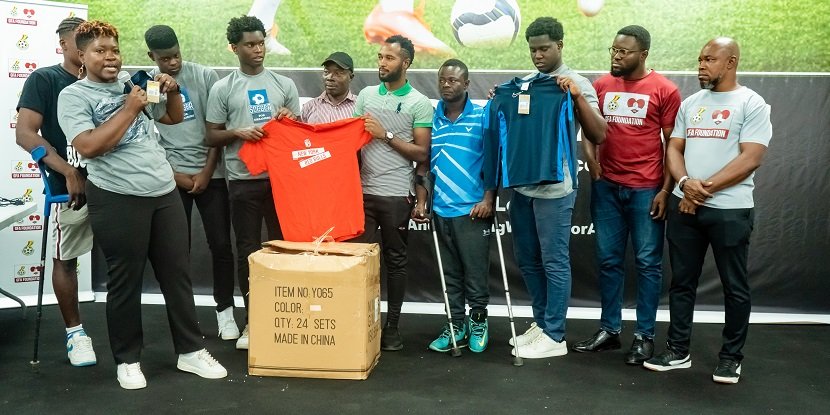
[457,156]
[529,149]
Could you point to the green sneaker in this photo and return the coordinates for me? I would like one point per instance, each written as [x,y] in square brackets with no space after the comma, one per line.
[478,332]
[443,343]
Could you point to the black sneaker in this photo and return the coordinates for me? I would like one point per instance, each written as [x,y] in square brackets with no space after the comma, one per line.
[390,339]
[728,371]
[668,360]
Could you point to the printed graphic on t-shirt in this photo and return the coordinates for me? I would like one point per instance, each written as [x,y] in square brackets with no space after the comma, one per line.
[709,122]
[74,158]
[625,108]
[189,114]
[259,106]
[110,106]
[309,155]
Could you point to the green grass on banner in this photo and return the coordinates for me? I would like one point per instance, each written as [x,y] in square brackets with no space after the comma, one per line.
[775,35]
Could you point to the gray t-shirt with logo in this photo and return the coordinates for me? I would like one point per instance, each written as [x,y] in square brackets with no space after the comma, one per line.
[137,165]
[185,142]
[714,125]
[240,100]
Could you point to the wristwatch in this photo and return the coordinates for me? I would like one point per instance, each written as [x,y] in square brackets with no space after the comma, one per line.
[389,137]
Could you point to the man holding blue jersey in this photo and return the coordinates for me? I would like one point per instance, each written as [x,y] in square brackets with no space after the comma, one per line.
[540,214]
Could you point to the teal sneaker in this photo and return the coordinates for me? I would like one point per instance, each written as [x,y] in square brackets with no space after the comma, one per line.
[479,336]
[443,343]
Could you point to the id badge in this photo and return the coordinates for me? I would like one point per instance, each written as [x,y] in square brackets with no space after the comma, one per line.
[524,104]
[153,92]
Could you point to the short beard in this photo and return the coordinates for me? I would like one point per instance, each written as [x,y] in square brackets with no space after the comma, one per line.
[621,72]
[710,84]
[391,76]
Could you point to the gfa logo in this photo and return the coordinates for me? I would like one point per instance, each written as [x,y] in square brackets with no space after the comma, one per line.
[29,248]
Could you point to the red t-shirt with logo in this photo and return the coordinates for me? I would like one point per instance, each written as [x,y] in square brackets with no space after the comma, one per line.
[636,111]
[314,175]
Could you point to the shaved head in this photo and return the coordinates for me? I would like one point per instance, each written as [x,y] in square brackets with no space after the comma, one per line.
[718,64]
[725,45]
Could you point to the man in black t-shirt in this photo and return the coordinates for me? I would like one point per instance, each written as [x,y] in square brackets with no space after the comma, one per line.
[72,235]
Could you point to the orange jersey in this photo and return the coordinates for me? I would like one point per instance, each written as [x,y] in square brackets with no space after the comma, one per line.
[314,174]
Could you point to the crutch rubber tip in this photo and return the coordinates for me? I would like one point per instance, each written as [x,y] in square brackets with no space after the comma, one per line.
[517,361]
[456,352]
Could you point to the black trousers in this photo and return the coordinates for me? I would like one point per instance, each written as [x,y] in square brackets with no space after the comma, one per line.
[251,202]
[391,214]
[131,230]
[689,236]
[214,209]
[465,254]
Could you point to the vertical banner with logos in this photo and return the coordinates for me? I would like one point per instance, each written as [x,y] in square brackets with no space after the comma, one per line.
[28,42]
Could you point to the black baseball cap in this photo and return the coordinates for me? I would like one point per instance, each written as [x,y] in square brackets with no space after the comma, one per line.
[341,59]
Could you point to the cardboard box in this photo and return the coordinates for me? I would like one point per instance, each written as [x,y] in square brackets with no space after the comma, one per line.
[314,310]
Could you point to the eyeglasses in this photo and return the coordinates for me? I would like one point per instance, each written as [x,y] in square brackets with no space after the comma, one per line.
[623,52]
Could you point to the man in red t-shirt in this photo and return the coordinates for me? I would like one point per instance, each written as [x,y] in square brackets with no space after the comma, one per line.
[630,189]
[315,178]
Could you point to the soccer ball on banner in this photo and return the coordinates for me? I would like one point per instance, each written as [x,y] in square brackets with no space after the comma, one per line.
[589,7]
[485,23]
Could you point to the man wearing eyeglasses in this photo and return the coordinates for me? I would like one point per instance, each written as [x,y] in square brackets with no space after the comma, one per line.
[337,100]
[630,189]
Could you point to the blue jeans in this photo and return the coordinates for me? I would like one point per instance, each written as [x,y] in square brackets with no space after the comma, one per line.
[541,243]
[619,211]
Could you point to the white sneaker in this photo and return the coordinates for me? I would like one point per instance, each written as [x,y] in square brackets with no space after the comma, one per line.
[528,337]
[79,349]
[228,329]
[542,347]
[242,343]
[130,376]
[202,364]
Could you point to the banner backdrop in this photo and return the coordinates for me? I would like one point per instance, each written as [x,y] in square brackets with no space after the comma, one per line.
[776,35]
[29,42]
[787,259]
[787,262]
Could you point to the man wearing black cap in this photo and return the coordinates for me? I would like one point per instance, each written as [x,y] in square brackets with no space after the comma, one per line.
[337,101]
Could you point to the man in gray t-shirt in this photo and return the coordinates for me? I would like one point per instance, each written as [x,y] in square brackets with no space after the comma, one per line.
[195,166]
[541,215]
[237,106]
[720,136]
